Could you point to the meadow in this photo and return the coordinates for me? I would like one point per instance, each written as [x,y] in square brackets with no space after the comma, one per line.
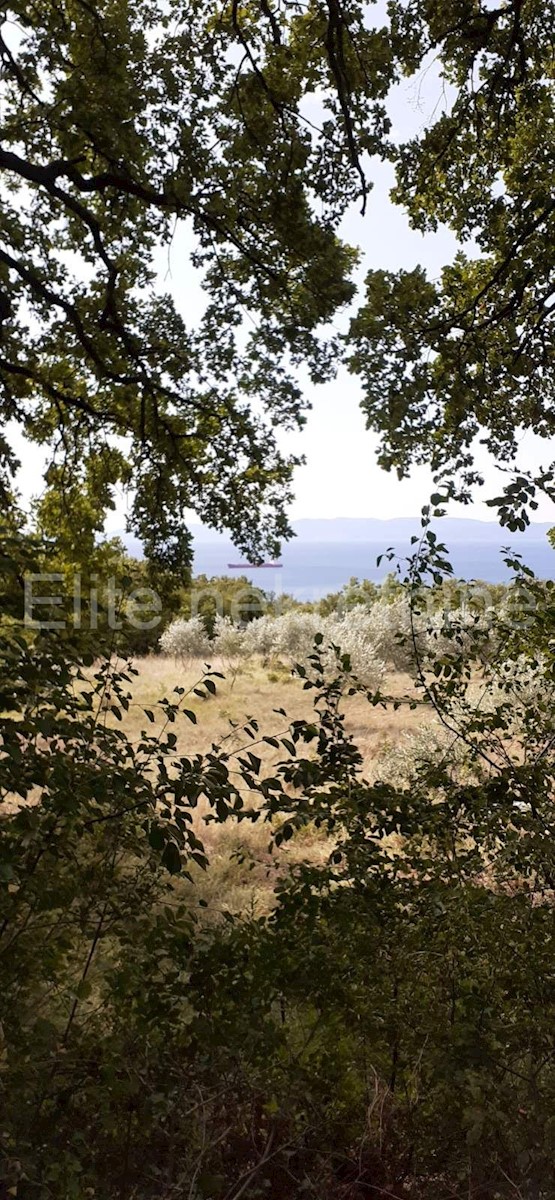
[241,875]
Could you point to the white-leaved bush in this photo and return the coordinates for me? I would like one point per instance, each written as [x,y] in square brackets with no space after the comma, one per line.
[425,749]
[228,644]
[259,637]
[392,632]
[228,639]
[462,632]
[521,691]
[376,637]
[353,635]
[186,639]
[294,635]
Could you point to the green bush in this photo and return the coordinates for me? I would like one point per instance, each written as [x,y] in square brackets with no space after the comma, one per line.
[386,1030]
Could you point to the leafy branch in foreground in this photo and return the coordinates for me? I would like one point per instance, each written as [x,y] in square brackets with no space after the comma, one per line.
[386,1024]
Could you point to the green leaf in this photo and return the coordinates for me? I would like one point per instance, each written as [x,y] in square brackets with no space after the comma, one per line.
[171,858]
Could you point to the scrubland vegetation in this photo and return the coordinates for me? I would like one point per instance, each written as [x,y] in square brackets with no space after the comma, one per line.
[281,925]
[287,931]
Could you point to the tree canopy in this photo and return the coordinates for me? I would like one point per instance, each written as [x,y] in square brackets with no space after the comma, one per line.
[120,120]
[253,127]
[444,361]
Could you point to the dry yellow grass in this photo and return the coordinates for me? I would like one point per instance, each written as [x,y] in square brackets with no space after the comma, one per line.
[258,691]
[242,871]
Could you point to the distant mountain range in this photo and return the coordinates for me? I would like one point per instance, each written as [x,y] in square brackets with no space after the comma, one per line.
[372,529]
[395,530]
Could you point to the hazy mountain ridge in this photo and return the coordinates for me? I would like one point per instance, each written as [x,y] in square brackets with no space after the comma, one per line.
[371,529]
[393,531]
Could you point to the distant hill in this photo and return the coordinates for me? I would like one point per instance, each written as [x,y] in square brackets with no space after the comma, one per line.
[394,531]
[372,529]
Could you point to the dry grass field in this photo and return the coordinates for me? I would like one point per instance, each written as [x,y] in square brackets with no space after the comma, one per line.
[242,870]
[258,691]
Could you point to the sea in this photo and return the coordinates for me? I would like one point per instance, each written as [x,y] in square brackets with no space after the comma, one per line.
[312,569]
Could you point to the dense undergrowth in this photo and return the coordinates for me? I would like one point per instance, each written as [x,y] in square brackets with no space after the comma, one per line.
[385,1030]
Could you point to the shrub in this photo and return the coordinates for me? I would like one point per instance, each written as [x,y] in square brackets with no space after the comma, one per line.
[259,637]
[429,750]
[353,634]
[293,635]
[229,644]
[390,628]
[186,639]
